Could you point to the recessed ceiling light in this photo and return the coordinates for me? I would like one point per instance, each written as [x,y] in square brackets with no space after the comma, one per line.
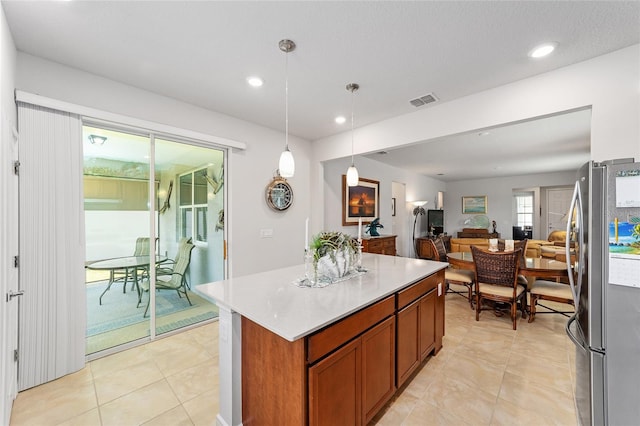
[341,119]
[543,50]
[255,81]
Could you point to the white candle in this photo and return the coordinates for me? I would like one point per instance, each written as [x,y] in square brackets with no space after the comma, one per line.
[306,235]
[360,228]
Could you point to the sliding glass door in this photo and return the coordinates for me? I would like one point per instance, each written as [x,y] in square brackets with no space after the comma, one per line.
[190,231]
[154,229]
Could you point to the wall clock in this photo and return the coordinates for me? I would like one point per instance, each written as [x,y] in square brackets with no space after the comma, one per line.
[279,194]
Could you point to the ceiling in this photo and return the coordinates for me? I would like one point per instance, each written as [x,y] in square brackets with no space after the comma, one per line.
[201,52]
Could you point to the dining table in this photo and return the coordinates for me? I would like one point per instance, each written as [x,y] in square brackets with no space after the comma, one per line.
[129,264]
[537,267]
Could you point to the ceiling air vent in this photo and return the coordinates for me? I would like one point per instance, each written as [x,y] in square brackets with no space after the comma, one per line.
[423,100]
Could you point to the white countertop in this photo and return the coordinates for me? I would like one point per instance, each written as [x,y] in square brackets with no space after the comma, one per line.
[272,300]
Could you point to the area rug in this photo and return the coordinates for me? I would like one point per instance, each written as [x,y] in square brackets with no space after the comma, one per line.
[118,309]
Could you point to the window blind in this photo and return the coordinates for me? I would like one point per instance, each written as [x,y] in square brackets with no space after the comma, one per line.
[52,318]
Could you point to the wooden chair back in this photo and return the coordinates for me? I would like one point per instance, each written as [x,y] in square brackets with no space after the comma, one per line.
[499,268]
[438,249]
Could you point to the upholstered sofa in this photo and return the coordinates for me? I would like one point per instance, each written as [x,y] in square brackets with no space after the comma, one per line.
[553,245]
[464,244]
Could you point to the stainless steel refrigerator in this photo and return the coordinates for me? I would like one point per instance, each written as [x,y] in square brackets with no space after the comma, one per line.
[603,229]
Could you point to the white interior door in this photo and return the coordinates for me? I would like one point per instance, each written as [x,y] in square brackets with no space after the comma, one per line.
[9,276]
[558,202]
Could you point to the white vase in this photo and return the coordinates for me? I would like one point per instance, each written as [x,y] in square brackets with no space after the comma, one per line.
[332,269]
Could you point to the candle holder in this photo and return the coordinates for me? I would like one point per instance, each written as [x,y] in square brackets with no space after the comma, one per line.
[359,256]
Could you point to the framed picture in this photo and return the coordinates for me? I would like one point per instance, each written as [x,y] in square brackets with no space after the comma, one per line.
[393,206]
[475,204]
[360,201]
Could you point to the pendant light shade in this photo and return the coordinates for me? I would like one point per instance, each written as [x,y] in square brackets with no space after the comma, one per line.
[286,165]
[352,172]
[352,176]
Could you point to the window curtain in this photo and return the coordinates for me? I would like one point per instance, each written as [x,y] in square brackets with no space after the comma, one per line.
[52,318]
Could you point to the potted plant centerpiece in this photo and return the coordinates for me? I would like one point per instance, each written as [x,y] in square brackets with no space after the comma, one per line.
[332,256]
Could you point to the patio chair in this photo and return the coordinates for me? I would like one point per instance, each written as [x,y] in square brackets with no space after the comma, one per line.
[125,275]
[166,268]
[497,280]
[177,280]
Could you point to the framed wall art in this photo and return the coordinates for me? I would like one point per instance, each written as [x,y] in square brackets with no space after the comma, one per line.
[361,201]
[475,204]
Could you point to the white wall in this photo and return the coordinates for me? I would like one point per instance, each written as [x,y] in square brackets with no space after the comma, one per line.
[418,187]
[249,171]
[610,84]
[499,192]
[8,223]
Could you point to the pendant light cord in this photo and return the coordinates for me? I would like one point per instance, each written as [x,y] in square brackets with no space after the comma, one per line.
[286,101]
[352,103]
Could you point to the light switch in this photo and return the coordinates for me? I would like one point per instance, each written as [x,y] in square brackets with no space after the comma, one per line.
[266,233]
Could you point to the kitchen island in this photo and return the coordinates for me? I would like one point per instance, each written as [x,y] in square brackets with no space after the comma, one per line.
[292,355]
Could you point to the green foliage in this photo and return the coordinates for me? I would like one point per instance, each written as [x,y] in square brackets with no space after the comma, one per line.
[329,242]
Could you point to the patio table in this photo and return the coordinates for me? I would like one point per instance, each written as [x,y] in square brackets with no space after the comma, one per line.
[129,264]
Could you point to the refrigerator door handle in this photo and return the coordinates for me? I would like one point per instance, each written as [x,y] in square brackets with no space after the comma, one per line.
[573,338]
[575,292]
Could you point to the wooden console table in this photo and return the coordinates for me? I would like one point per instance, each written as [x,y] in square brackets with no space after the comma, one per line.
[384,244]
[478,233]
[423,247]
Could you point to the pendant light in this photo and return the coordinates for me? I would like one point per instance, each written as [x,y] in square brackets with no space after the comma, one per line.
[286,166]
[352,172]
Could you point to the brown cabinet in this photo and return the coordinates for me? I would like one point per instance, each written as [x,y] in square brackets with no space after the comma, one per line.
[427,321]
[378,367]
[353,383]
[416,326]
[384,244]
[424,249]
[346,372]
[335,388]
[477,233]
[407,342]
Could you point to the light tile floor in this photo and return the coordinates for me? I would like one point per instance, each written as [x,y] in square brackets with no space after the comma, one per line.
[486,374]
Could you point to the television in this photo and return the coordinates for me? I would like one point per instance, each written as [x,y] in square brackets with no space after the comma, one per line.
[435,221]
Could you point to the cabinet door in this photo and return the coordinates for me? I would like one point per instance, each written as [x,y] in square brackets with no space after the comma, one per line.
[335,388]
[424,249]
[427,323]
[407,338]
[378,367]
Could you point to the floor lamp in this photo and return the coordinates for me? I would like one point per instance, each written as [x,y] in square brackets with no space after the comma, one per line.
[418,210]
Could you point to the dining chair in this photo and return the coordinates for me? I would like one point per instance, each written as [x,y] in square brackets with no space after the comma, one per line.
[496,279]
[522,245]
[555,291]
[177,280]
[458,281]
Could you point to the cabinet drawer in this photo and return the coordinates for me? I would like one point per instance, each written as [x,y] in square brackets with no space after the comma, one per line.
[324,341]
[416,290]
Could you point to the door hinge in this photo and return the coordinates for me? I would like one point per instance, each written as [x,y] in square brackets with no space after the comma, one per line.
[15,355]
[16,168]
[16,261]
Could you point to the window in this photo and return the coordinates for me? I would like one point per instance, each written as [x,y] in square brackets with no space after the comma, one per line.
[524,210]
[193,205]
